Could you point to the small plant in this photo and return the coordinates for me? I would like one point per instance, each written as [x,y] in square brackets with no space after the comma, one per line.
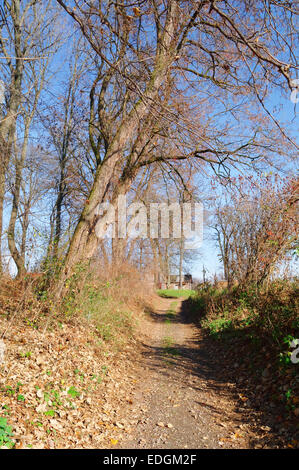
[56,398]
[27,354]
[168,346]
[5,434]
[288,340]
[289,395]
[73,392]
[218,325]
[7,409]
[172,310]
[285,358]
[9,391]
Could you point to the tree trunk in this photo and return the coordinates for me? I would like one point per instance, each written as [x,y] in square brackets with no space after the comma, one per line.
[8,123]
[17,255]
[181,261]
[2,189]
[25,225]
[58,213]
[182,246]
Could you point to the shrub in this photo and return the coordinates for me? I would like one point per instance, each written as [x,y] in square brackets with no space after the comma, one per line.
[107,299]
[271,313]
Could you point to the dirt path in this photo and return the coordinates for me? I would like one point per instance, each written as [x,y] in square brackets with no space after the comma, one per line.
[180,399]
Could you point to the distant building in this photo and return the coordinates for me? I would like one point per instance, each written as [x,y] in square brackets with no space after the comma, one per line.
[174,282]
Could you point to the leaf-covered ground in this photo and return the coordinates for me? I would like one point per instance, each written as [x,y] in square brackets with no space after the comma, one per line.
[169,387]
[62,389]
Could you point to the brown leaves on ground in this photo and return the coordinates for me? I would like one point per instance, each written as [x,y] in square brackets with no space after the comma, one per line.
[61,389]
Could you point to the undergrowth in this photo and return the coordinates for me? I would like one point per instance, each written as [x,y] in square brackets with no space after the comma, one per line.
[107,300]
[270,314]
[259,329]
[5,434]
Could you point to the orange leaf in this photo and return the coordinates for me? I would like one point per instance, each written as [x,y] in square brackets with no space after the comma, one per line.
[137,11]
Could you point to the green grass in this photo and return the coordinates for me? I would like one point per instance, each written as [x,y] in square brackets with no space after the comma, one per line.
[172,310]
[175,293]
[168,346]
[217,326]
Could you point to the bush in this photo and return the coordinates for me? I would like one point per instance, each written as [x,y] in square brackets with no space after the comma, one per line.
[271,313]
[105,299]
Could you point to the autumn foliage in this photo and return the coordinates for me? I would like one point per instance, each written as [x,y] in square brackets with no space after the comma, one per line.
[257,228]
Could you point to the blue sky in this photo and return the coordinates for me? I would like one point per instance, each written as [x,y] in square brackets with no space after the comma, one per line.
[285,111]
[277,103]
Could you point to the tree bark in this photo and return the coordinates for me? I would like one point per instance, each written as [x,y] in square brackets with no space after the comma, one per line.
[8,123]
[18,256]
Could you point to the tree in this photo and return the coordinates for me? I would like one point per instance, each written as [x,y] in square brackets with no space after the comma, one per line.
[258,228]
[36,83]
[67,136]
[23,45]
[147,56]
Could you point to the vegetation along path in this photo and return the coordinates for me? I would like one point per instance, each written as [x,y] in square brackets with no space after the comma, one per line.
[180,398]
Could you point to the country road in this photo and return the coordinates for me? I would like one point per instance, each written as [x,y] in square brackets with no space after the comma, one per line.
[181,399]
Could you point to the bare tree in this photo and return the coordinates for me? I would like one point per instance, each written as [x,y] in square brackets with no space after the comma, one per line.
[257,228]
[65,125]
[36,82]
[24,55]
[143,54]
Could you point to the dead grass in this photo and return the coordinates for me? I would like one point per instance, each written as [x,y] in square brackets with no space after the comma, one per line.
[66,368]
[109,299]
